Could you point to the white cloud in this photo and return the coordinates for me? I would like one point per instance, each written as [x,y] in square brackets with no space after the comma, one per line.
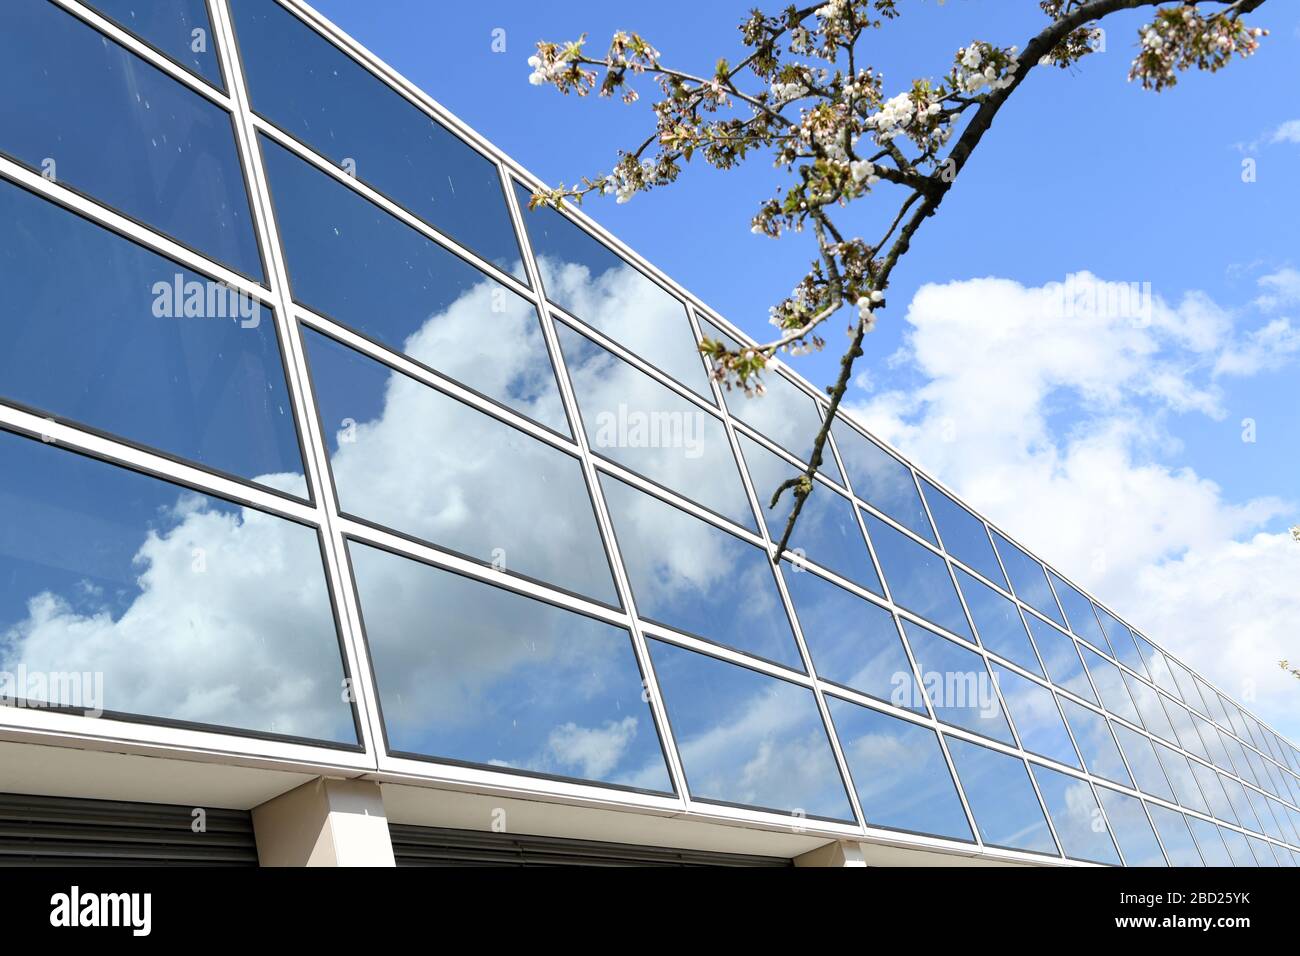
[1057,428]
[1288,132]
[1282,288]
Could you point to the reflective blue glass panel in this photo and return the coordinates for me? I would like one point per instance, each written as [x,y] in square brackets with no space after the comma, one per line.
[1148,775]
[109,124]
[1238,848]
[158,602]
[749,739]
[133,344]
[853,642]
[997,621]
[313,90]
[353,262]
[1179,772]
[898,769]
[1061,658]
[180,29]
[408,457]
[881,480]
[1121,641]
[589,280]
[1185,729]
[957,684]
[1028,579]
[827,532]
[689,575]
[1132,830]
[1157,665]
[1001,798]
[1215,796]
[1263,852]
[1240,804]
[471,673]
[1176,837]
[1109,681]
[1076,817]
[964,535]
[632,419]
[1149,706]
[1092,734]
[1038,721]
[1078,612]
[1209,842]
[918,578]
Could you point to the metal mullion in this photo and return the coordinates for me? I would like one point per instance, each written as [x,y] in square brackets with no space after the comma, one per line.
[360,670]
[446,386]
[724,652]
[151,463]
[729,424]
[118,35]
[430,232]
[622,583]
[127,228]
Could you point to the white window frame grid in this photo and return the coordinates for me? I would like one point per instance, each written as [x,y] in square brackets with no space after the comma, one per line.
[334,529]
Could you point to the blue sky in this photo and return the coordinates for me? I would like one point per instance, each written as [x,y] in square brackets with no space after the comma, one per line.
[1115,453]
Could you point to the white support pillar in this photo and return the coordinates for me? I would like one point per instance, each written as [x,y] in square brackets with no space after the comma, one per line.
[325,822]
[832,854]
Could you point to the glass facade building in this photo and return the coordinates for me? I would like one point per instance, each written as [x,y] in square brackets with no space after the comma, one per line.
[320,452]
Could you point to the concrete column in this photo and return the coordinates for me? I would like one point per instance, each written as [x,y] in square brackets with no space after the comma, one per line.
[325,822]
[832,854]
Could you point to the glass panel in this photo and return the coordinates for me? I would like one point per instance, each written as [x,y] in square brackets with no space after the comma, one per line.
[1109,681]
[1061,658]
[314,91]
[408,457]
[964,535]
[1185,729]
[1208,782]
[108,334]
[746,738]
[689,575]
[1262,852]
[1283,817]
[589,280]
[1213,743]
[1235,718]
[881,480]
[957,684]
[1038,721]
[1028,579]
[107,123]
[1264,813]
[1078,613]
[1001,798]
[644,426]
[1245,813]
[1213,704]
[1121,640]
[125,594]
[918,578]
[1148,704]
[180,30]
[351,261]
[1174,834]
[1092,734]
[1186,686]
[1078,820]
[1132,830]
[1157,666]
[853,642]
[1238,848]
[827,532]
[469,672]
[1179,772]
[902,779]
[1209,842]
[1143,762]
[1238,755]
[998,623]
